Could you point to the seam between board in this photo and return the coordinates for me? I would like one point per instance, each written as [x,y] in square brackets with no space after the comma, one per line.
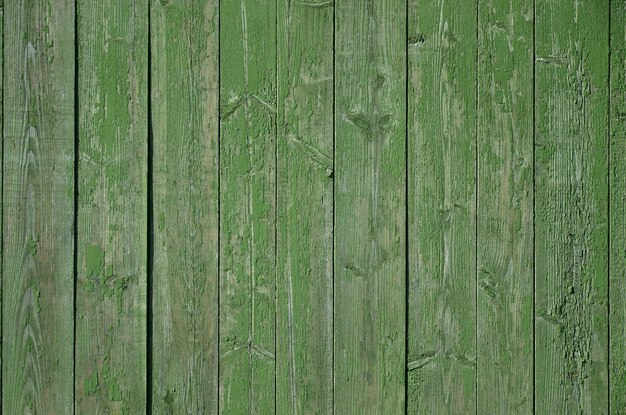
[534,127]
[219,199]
[149,227]
[608,206]
[334,183]
[75,201]
[476,190]
[406,207]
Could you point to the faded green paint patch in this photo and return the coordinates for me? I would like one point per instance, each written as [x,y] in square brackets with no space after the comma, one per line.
[33,241]
[90,385]
[94,260]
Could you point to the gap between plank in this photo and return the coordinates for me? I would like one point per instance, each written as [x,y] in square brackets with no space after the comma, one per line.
[150,230]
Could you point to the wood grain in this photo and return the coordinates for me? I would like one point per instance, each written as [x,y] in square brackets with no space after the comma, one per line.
[442,207]
[571,319]
[617,197]
[370,215]
[184,49]
[304,349]
[111,292]
[38,207]
[505,208]
[247,206]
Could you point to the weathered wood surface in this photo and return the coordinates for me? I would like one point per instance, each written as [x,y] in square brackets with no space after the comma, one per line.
[442,207]
[617,214]
[504,320]
[247,206]
[571,252]
[38,207]
[111,296]
[304,279]
[370,215]
[184,94]
[308,206]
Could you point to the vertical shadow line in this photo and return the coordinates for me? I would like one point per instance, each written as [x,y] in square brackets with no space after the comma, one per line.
[476,190]
[75,223]
[219,201]
[406,208]
[150,229]
[534,128]
[608,209]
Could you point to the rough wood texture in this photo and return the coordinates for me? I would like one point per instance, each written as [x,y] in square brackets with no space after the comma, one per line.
[112,207]
[1,187]
[442,207]
[370,218]
[305,201]
[617,199]
[247,206]
[571,67]
[505,208]
[184,94]
[37,276]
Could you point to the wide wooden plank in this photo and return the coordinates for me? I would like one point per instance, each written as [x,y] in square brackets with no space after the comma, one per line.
[184,49]
[38,211]
[305,209]
[370,215]
[247,206]
[505,208]
[617,197]
[442,207]
[571,279]
[112,207]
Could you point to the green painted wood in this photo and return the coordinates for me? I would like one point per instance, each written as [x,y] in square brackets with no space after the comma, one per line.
[571,68]
[617,197]
[184,94]
[305,209]
[247,206]
[370,216]
[1,187]
[442,207]
[38,208]
[111,298]
[505,208]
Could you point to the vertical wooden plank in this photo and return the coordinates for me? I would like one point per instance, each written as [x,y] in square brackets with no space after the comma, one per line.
[505,207]
[370,218]
[247,206]
[617,199]
[571,67]
[38,211]
[112,207]
[1,187]
[184,50]
[305,208]
[442,207]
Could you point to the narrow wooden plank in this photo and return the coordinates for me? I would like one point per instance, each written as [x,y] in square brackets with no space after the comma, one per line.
[38,249]
[617,197]
[247,206]
[1,187]
[505,208]
[571,67]
[112,207]
[370,218]
[442,207]
[305,208]
[184,50]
